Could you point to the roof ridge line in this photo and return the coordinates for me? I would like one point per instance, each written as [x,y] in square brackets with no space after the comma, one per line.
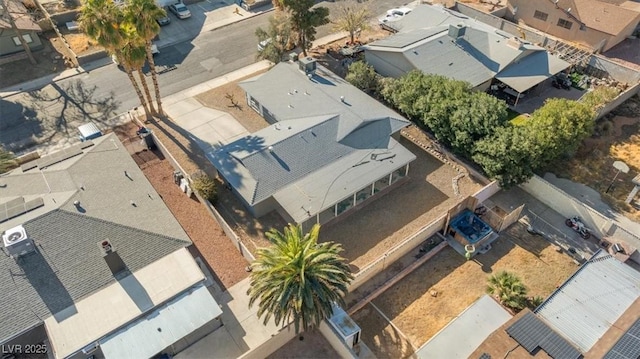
[120,225]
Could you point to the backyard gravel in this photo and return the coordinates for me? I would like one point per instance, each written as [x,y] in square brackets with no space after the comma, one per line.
[205,233]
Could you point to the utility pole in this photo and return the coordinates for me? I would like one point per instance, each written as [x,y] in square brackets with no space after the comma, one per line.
[6,12]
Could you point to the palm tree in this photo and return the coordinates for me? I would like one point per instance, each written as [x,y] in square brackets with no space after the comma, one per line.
[509,289]
[132,58]
[143,14]
[7,161]
[103,22]
[298,278]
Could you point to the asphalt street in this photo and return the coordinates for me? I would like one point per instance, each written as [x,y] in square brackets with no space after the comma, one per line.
[105,92]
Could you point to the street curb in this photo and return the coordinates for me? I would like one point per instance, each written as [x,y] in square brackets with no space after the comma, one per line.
[43,81]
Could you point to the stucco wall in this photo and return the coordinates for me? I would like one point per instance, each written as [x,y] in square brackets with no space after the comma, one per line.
[563,203]
[595,39]
[388,64]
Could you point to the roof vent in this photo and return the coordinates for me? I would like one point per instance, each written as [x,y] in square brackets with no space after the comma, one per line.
[17,242]
[270,148]
[114,262]
[457,31]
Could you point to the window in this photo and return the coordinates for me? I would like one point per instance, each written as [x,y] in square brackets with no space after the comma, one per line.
[565,23]
[541,15]
[26,37]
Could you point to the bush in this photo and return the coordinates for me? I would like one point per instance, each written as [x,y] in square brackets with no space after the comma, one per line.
[363,76]
[205,186]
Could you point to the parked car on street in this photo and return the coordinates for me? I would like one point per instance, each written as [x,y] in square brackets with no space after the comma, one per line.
[164,20]
[180,10]
[394,15]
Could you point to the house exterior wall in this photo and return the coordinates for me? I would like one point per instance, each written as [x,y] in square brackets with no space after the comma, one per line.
[7,46]
[592,38]
[388,64]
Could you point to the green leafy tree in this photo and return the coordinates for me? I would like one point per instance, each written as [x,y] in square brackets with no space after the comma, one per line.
[599,97]
[509,290]
[477,117]
[505,156]
[7,161]
[278,38]
[298,279]
[304,20]
[363,76]
[142,14]
[352,20]
[558,128]
[104,22]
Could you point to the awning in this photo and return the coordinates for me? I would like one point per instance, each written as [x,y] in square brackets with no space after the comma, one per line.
[164,326]
[531,70]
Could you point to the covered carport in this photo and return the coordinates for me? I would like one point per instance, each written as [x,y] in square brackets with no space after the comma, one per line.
[535,68]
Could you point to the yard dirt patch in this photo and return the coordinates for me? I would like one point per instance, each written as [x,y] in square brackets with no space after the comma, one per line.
[410,306]
[231,99]
[592,165]
[368,233]
[311,344]
[79,42]
[209,240]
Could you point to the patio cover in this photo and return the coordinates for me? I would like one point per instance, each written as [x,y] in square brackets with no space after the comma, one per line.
[161,328]
[531,70]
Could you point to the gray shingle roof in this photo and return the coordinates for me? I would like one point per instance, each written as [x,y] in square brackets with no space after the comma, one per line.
[288,94]
[293,149]
[67,264]
[318,135]
[476,57]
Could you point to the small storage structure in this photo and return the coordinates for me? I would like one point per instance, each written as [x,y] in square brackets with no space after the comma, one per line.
[89,131]
[346,328]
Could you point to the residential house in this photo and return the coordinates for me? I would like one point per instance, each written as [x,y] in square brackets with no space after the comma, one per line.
[93,264]
[597,24]
[440,41]
[594,314]
[330,146]
[9,40]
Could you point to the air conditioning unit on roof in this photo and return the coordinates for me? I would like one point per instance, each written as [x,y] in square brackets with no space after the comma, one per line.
[17,242]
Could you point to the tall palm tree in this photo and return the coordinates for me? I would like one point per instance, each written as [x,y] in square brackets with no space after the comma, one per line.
[508,288]
[104,22]
[298,279]
[142,14]
[132,58]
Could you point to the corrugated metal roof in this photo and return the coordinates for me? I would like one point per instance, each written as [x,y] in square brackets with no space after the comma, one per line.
[588,304]
[163,327]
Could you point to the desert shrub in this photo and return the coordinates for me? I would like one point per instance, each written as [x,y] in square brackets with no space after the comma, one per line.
[205,186]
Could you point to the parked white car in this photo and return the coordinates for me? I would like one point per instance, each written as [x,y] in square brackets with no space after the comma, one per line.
[394,15]
[180,10]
